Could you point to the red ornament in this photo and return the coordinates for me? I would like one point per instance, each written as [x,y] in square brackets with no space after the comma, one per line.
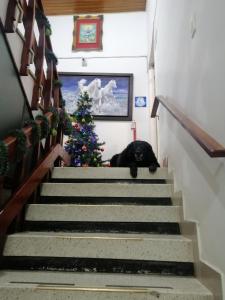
[76,126]
[84,148]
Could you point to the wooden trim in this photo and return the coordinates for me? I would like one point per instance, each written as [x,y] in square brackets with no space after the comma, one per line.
[48,86]
[39,63]
[29,37]
[155,108]
[207,142]
[10,16]
[19,199]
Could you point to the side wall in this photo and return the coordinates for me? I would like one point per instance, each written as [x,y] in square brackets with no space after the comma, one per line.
[190,71]
[124,51]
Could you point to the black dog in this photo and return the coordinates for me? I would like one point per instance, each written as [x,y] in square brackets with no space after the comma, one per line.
[137,154]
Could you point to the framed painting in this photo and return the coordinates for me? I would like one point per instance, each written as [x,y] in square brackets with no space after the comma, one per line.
[87,34]
[111,94]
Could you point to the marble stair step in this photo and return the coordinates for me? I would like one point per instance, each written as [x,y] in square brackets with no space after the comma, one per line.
[68,173]
[89,245]
[106,190]
[39,285]
[102,213]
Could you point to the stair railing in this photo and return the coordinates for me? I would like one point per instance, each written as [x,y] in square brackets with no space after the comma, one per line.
[45,94]
[24,183]
[207,142]
[21,182]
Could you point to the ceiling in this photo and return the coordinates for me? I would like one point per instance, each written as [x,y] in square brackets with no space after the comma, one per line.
[68,7]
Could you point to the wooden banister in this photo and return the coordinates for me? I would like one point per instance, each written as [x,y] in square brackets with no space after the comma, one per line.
[21,196]
[207,142]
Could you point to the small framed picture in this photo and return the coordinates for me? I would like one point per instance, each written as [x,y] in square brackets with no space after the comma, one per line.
[87,34]
[140,101]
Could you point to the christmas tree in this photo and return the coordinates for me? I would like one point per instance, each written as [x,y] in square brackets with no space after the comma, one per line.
[83,144]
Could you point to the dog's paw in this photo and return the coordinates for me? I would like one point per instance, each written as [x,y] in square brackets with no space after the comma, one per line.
[133,171]
[152,168]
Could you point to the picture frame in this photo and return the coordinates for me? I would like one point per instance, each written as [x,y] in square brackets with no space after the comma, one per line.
[87,33]
[112,94]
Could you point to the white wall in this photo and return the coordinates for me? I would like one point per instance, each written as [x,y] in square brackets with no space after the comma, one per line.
[124,51]
[3,9]
[190,71]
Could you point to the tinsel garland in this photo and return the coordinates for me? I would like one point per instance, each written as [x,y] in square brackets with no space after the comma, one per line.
[57,83]
[42,20]
[66,123]
[21,143]
[36,131]
[50,56]
[4,159]
[62,102]
[55,120]
[45,128]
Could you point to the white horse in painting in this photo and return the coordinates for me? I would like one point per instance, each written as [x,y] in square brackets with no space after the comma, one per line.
[107,92]
[93,89]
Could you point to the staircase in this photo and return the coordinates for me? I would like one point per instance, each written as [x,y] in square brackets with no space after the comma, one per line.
[96,233]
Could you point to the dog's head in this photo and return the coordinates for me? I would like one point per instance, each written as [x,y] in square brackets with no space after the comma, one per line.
[139,151]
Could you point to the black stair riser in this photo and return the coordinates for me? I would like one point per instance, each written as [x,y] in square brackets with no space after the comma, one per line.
[105,200]
[93,180]
[71,264]
[112,227]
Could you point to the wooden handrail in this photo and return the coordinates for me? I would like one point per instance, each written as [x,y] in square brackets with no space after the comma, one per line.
[208,143]
[21,196]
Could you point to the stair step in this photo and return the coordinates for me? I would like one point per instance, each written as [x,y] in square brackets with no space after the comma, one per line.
[102,218]
[103,227]
[104,213]
[78,173]
[61,285]
[114,246]
[106,190]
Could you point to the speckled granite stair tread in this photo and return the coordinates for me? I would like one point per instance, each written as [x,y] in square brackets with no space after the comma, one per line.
[107,213]
[178,288]
[106,190]
[113,246]
[103,279]
[106,173]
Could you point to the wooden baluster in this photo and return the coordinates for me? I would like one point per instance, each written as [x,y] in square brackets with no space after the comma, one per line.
[39,64]
[10,16]
[29,38]
[48,86]
[56,97]
[1,190]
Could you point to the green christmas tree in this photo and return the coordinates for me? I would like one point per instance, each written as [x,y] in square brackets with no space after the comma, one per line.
[83,144]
